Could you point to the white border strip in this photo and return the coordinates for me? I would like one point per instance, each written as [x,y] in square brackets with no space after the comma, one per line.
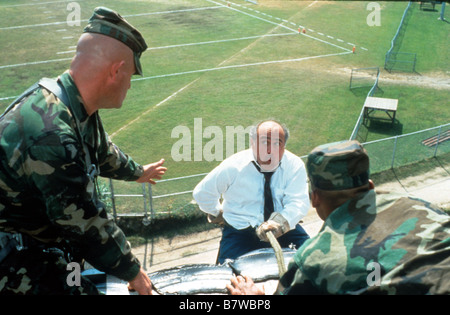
[125,16]
[34,63]
[151,48]
[221,68]
[206,70]
[278,24]
[240,66]
[220,41]
[37,3]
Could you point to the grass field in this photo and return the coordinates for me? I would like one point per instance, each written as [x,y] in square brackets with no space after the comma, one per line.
[235,65]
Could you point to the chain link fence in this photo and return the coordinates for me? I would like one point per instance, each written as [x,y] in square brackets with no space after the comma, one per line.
[394,59]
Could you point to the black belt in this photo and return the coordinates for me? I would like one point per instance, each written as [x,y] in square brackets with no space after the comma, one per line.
[17,242]
[8,243]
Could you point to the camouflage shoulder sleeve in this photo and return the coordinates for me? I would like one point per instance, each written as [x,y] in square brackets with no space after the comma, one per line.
[421,243]
[296,282]
[113,162]
[398,245]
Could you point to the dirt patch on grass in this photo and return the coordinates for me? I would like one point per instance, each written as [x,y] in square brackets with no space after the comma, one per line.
[432,80]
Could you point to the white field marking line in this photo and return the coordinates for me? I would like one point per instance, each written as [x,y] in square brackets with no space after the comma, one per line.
[269,33]
[151,48]
[205,70]
[37,3]
[124,16]
[220,68]
[219,41]
[152,108]
[300,26]
[34,63]
[311,4]
[281,25]
[254,16]
[163,47]
[183,88]
[241,66]
[8,98]
[65,52]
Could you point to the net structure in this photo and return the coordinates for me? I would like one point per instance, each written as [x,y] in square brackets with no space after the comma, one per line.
[394,59]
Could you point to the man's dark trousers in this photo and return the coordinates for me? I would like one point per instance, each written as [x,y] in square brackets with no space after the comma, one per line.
[235,243]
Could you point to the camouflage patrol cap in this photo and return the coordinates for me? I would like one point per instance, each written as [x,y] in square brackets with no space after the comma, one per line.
[338,166]
[108,22]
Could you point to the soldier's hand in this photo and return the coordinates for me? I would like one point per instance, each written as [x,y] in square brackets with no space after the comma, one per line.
[244,286]
[141,284]
[152,171]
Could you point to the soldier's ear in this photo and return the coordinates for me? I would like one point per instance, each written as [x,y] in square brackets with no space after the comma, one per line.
[114,69]
[315,199]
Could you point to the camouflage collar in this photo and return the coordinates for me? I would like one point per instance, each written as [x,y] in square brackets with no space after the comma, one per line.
[87,125]
[76,102]
[342,217]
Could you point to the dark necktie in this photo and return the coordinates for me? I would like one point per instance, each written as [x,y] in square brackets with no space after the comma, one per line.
[268,200]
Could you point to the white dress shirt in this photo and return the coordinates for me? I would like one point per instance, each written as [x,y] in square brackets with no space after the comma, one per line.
[241,186]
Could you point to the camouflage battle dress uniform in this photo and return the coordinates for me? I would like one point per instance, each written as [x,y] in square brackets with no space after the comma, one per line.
[50,155]
[371,245]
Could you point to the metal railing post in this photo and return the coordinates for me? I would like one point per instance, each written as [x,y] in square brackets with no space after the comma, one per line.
[437,141]
[113,199]
[145,221]
[150,192]
[393,153]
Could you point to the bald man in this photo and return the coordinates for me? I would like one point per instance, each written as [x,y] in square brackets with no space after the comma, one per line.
[53,147]
[257,190]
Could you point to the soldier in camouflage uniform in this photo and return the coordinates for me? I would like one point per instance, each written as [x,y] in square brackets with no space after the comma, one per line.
[52,147]
[369,244]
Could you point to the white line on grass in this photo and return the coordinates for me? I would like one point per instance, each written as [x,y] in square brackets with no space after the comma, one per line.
[254,16]
[37,3]
[300,26]
[8,98]
[149,110]
[207,70]
[313,3]
[34,63]
[220,41]
[65,52]
[281,25]
[125,16]
[151,48]
[241,66]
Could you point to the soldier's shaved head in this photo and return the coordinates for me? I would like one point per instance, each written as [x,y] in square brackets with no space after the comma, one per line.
[102,70]
[97,49]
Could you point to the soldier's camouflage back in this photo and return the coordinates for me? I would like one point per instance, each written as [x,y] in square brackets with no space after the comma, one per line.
[408,238]
[380,244]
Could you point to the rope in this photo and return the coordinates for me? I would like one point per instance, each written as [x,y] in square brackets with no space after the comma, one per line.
[278,253]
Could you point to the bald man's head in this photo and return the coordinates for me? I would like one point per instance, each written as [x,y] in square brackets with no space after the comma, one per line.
[102,70]
[268,144]
[99,51]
